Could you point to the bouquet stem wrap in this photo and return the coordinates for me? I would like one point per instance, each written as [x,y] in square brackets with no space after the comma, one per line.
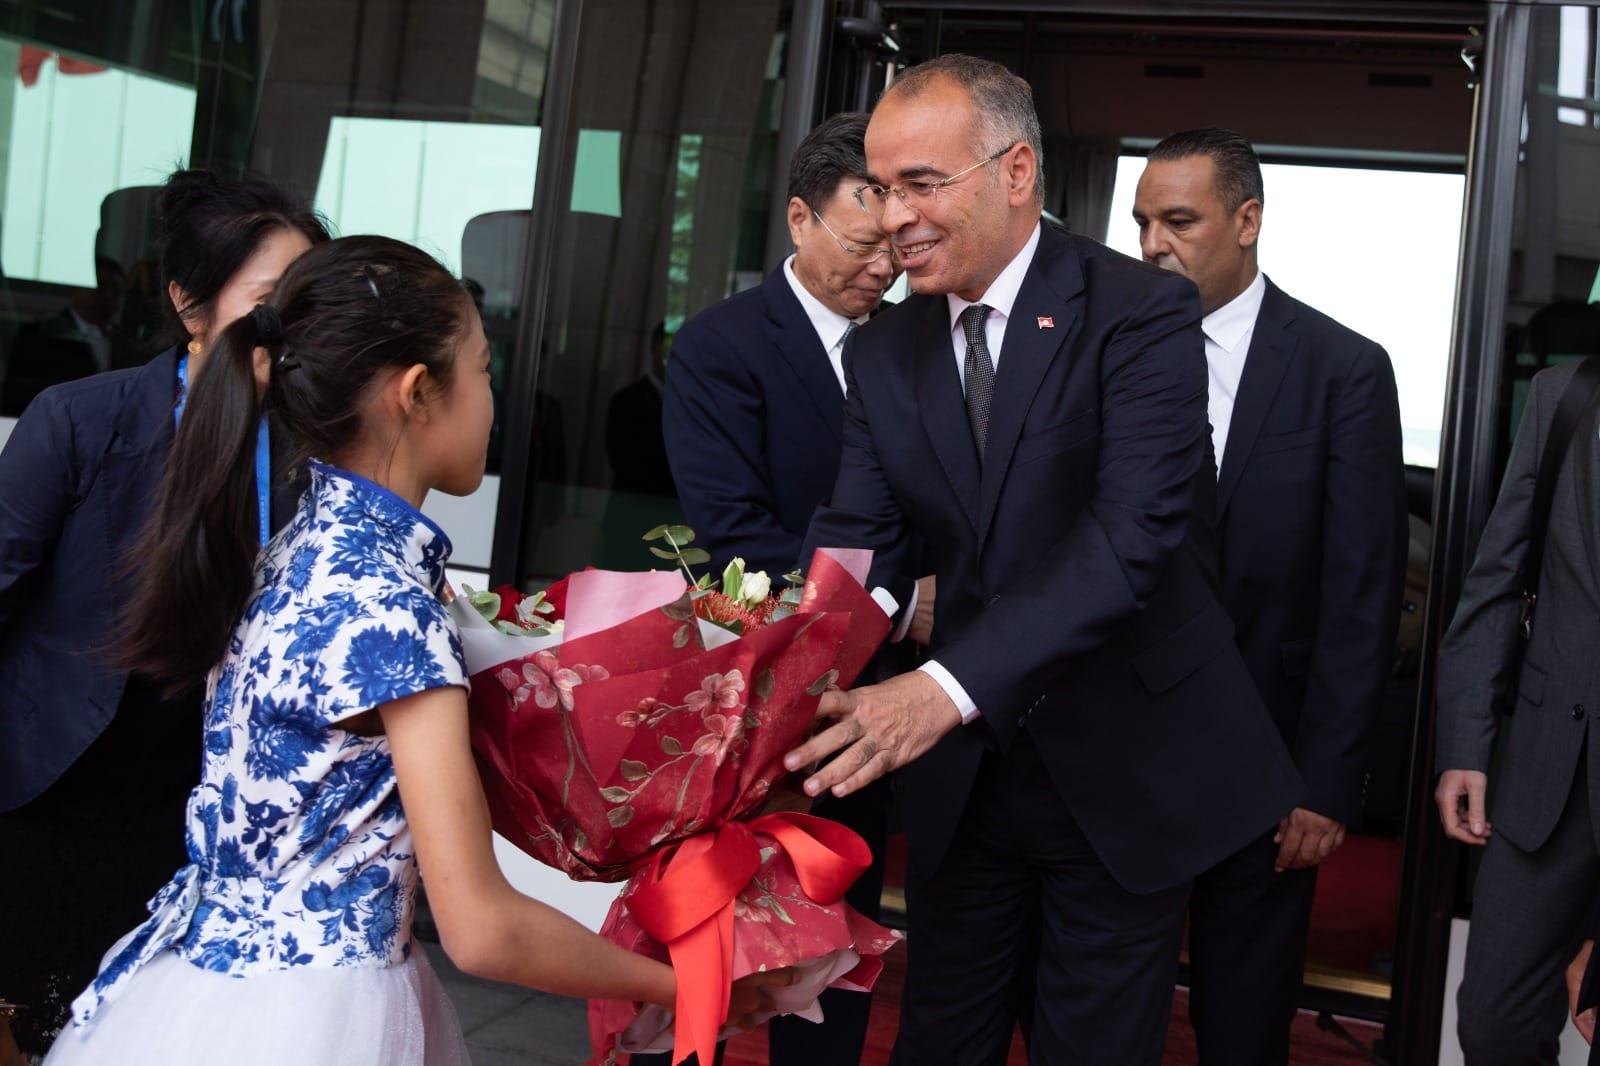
[686,901]
[642,744]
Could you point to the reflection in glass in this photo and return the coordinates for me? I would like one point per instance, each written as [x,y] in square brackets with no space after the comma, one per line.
[690,104]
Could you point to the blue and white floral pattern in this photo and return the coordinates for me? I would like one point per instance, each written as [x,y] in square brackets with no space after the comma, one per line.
[299,853]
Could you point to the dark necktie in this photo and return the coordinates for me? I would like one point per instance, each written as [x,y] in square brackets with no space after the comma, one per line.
[979,368]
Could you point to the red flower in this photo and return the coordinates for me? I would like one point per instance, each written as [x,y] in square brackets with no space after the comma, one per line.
[556,596]
[715,607]
[510,596]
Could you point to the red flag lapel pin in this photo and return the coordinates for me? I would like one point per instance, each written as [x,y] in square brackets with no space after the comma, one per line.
[1046,322]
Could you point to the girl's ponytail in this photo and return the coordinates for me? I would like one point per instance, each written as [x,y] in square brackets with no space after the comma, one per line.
[195,559]
[344,313]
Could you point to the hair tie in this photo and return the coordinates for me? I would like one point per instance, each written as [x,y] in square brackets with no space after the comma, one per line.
[269,326]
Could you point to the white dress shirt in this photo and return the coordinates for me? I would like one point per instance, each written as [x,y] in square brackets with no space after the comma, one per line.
[1228,331]
[1001,297]
[830,325]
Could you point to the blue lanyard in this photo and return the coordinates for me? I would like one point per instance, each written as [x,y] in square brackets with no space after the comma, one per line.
[263,454]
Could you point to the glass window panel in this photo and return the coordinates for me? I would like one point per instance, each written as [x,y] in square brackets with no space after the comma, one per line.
[672,186]
[421,121]
[89,125]
[1552,313]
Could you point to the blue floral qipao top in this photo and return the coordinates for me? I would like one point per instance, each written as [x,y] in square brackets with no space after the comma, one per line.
[299,853]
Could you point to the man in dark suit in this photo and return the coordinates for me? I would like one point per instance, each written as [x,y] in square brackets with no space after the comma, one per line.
[1085,738]
[751,416]
[1533,900]
[1311,525]
[754,398]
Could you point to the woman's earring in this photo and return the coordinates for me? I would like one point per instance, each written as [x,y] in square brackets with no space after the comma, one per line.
[194,346]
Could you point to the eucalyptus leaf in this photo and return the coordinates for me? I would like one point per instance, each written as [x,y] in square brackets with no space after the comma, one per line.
[694,556]
[820,685]
[656,533]
[662,553]
[680,535]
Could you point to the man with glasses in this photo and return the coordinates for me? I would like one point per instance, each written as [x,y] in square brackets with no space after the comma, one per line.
[752,417]
[1084,738]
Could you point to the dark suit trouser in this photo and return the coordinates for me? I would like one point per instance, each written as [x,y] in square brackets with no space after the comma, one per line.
[1247,954]
[838,1040]
[1530,913]
[1019,867]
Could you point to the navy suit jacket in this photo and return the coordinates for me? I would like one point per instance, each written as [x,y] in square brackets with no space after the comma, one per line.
[79,476]
[1076,561]
[1312,522]
[751,417]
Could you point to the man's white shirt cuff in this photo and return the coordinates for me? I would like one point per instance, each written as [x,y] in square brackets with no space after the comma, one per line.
[952,688]
[904,627]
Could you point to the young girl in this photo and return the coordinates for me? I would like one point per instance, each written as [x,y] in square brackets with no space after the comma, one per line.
[95,764]
[336,747]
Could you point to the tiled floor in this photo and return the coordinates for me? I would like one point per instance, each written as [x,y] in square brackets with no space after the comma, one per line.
[510,1026]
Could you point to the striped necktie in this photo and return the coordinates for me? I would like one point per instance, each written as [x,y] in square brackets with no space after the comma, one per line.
[979,368]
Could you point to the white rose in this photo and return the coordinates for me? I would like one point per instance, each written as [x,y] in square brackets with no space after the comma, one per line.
[756,587]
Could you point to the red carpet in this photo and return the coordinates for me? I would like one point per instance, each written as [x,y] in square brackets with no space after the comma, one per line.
[1353,927]
[1358,901]
[1311,1046]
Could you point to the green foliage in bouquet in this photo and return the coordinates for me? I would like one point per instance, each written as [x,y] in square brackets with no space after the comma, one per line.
[742,600]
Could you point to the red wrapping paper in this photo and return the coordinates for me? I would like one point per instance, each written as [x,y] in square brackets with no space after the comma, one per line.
[638,754]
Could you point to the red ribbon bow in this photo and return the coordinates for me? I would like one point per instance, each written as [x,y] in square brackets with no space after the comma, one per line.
[686,902]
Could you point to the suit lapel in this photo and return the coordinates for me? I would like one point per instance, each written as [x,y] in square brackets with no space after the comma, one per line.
[796,339]
[1026,353]
[1272,349]
[943,408]
[1584,488]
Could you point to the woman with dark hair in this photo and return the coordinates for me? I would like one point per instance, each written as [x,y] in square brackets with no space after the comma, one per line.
[336,755]
[95,761]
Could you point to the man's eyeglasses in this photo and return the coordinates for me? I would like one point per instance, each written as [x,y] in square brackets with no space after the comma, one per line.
[866,253]
[914,194]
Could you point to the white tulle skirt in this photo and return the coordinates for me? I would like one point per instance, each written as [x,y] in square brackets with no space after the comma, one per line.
[173,1013]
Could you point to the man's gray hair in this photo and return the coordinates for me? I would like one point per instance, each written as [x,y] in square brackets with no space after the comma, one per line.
[1003,100]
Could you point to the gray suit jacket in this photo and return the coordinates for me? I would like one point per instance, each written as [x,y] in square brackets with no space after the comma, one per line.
[1559,686]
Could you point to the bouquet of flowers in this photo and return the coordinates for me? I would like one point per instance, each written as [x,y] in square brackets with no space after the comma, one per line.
[632,726]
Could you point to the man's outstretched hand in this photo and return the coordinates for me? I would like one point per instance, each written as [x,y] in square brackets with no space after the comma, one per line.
[877,728]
